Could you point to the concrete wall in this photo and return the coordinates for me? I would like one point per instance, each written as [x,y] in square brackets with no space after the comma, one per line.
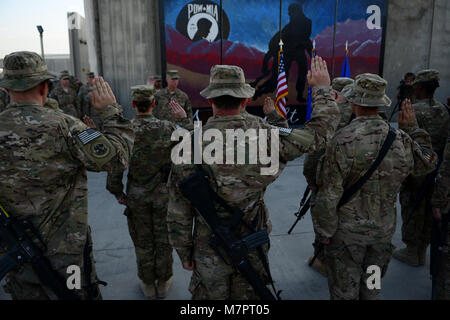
[128,43]
[417,38]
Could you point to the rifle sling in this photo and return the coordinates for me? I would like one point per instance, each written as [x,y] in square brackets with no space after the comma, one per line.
[237,214]
[384,150]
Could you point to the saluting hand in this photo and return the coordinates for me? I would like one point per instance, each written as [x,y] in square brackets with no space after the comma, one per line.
[406,115]
[177,110]
[102,94]
[318,75]
[269,106]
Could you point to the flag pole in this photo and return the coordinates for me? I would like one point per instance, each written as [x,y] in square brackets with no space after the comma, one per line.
[281,17]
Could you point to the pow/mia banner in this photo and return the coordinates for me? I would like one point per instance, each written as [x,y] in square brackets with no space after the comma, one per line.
[202,33]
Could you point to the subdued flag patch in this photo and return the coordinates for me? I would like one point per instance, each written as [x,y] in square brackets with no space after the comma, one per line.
[88,135]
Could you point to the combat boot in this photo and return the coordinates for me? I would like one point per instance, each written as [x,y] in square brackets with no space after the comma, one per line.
[163,287]
[407,255]
[319,266]
[422,254]
[148,290]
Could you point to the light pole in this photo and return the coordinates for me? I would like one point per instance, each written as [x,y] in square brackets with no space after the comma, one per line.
[41,32]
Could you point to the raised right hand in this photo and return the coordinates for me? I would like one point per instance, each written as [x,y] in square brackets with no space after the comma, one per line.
[102,94]
[318,75]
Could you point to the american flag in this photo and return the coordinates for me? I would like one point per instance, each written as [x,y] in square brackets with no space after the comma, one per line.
[282,88]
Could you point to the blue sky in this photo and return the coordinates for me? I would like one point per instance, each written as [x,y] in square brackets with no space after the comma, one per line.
[19,18]
[242,15]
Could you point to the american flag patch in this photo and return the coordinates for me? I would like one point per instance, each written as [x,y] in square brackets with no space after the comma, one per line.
[88,135]
[286,130]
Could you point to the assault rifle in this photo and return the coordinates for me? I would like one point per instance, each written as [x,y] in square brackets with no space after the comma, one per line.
[14,233]
[303,209]
[196,188]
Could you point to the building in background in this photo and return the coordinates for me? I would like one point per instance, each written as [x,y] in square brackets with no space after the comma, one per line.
[79,55]
[129,40]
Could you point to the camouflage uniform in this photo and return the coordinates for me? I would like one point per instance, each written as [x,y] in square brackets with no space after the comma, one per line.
[4,99]
[240,186]
[147,195]
[433,117]
[44,156]
[163,111]
[67,99]
[361,230]
[441,199]
[52,104]
[312,159]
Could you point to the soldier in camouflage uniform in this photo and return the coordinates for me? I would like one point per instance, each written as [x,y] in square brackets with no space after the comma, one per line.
[359,233]
[44,156]
[440,202]
[85,104]
[52,104]
[147,197]
[433,117]
[164,97]
[66,96]
[240,186]
[4,99]
[312,159]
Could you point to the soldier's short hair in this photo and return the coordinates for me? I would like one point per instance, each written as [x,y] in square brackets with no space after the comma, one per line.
[227,102]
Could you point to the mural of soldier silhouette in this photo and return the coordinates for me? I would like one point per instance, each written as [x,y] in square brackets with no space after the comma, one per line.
[296,39]
[204,29]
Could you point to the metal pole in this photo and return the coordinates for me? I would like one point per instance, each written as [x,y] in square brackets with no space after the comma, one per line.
[221,31]
[42,46]
[281,16]
[333,62]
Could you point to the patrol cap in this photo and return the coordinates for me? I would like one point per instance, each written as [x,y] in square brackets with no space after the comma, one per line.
[339,83]
[227,80]
[173,74]
[369,90]
[347,91]
[157,78]
[23,71]
[426,76]
[90,74]
[142,93]
[64,75]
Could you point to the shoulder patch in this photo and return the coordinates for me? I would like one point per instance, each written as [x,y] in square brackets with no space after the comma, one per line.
[88,135]
[100,150]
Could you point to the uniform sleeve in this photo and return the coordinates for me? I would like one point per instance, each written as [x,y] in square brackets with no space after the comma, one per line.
[275,119]
[179,215]
[310,166]
[317,132]
[114,182]
[102,151]
[334,167]
[188,108]
[420,144]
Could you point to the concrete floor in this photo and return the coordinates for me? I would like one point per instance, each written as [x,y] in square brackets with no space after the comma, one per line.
[116,264]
